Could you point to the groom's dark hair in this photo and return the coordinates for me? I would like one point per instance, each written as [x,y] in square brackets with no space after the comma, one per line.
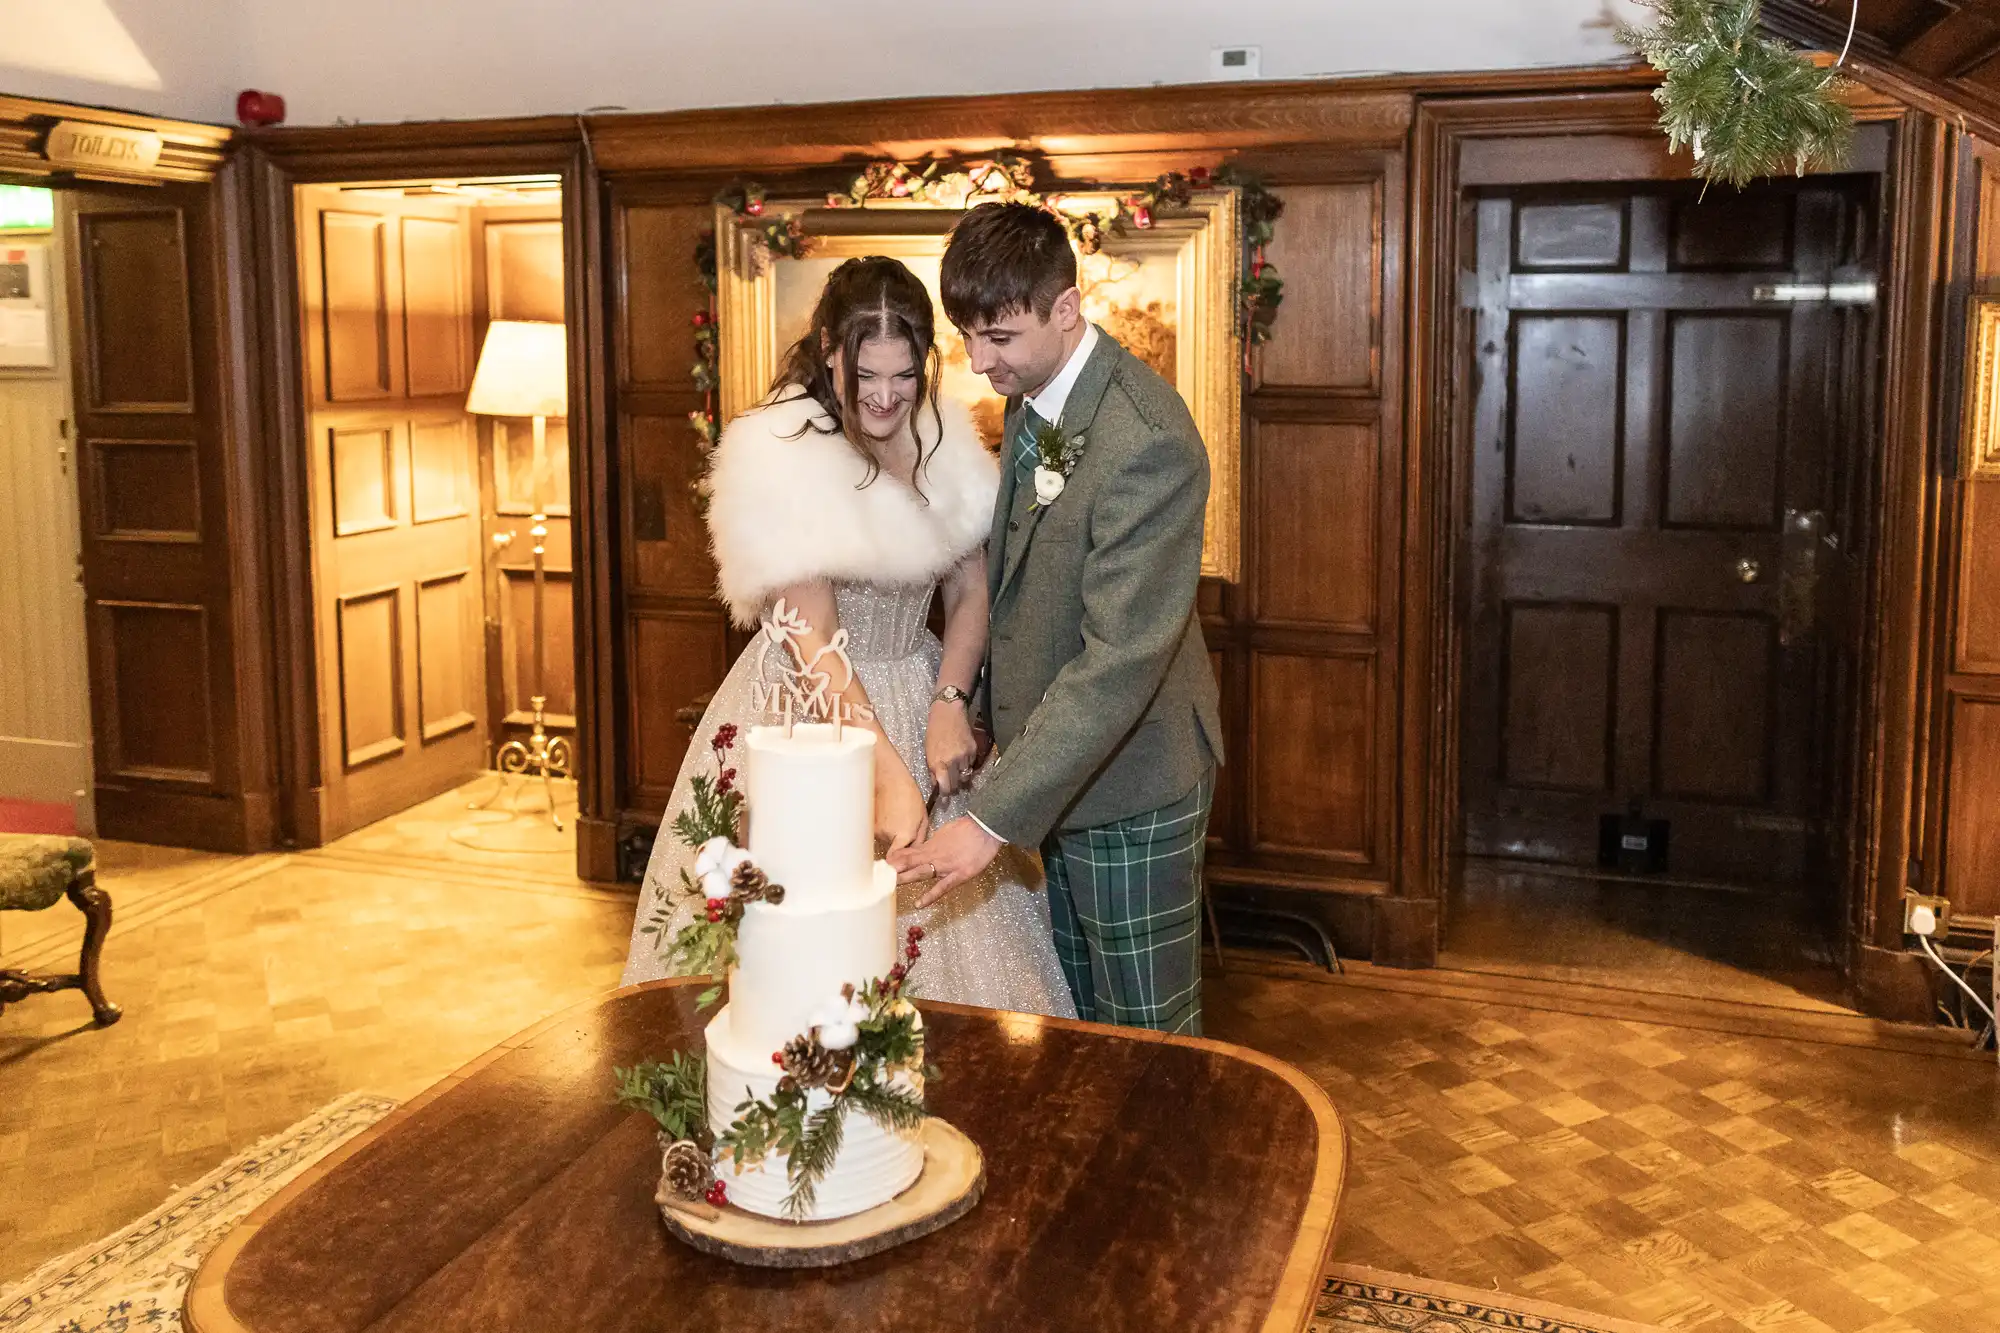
[1003,259]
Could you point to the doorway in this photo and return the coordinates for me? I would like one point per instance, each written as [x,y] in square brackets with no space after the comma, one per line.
[424,527]
[1668,418]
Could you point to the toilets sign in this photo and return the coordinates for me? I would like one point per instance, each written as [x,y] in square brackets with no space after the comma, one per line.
[81,146]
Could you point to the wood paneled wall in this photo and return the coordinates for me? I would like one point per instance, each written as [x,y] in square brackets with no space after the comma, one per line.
[674,636]
[1308,642]
[1305,646]
[1965,815]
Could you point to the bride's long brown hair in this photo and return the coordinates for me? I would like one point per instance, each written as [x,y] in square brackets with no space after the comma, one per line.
[875,297]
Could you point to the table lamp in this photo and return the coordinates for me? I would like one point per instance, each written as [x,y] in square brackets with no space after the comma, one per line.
[524,372]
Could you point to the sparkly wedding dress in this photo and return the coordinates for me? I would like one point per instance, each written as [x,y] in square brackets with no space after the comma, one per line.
[884,547]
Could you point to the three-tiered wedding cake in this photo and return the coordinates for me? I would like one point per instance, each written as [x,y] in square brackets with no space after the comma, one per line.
[801,963]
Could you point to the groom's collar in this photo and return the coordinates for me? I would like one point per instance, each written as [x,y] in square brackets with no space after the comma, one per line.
[1049,403]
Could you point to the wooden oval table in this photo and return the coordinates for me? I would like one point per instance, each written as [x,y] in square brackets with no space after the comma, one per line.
[1134,1181]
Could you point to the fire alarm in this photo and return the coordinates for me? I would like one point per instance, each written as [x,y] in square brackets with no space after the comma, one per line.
[255,108]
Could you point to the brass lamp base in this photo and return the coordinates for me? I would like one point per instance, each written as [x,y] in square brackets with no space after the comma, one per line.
[541,755]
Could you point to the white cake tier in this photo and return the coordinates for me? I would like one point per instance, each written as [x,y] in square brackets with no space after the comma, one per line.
[873,1166]
[793,959]
[812,810]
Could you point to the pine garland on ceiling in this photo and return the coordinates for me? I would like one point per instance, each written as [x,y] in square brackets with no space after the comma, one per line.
[1746,104]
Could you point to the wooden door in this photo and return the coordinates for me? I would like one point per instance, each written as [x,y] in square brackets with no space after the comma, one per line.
[144,308]
[1659,501]
[386,296]
[523,252]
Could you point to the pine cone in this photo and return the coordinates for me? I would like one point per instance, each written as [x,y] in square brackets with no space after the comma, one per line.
[814,1066]
[747,883]
[688,1169]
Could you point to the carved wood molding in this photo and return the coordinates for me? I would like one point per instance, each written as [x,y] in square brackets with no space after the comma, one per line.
[188,151]
[1063,123]
[1922,69]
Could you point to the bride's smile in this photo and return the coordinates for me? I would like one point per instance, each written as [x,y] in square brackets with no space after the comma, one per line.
[886,384]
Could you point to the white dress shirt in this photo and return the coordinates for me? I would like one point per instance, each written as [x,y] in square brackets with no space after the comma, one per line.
[1049,403]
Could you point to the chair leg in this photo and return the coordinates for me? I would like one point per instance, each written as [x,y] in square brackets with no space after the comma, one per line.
[95,904]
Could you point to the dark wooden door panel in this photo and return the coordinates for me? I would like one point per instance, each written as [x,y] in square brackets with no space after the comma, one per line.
[138,336]
[153,488]
[1655,451]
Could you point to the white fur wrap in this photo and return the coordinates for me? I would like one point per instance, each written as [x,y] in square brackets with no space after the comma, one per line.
[785,510]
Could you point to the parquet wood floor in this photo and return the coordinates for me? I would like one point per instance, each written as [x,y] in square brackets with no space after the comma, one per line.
[1696,1178]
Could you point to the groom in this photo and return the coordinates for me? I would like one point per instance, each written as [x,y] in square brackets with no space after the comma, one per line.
[1097,686]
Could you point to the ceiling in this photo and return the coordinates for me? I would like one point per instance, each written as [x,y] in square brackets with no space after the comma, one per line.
[1948,49]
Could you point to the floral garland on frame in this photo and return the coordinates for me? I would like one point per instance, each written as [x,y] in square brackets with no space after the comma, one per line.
[1005,177]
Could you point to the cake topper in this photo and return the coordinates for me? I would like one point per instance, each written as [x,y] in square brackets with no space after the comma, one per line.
[804,689]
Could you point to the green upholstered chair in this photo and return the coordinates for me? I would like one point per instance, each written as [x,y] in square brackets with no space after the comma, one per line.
[36,873]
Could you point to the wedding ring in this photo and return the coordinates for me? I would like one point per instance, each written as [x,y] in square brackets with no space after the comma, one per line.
[933,870]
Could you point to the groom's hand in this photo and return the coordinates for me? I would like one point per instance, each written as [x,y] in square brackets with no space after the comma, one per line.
[951,856]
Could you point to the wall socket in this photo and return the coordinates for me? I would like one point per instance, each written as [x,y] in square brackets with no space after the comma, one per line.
[1940,909]
[1235,62]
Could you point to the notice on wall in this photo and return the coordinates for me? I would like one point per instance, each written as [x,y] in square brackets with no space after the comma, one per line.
[27,340]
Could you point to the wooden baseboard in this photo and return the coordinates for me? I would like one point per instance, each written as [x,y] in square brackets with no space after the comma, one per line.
[596,850]
[175,819]
[1894,984]
[1406,932]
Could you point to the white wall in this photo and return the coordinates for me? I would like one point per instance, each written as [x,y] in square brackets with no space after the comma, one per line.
[388,60]
[165,57]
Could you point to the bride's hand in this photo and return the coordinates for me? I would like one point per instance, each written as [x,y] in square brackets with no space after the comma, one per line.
[900,816]
[949,750]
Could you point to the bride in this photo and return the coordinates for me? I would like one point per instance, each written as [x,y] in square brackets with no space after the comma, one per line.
[854,494]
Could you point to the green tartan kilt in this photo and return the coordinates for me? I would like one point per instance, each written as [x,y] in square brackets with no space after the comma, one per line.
[1125,900]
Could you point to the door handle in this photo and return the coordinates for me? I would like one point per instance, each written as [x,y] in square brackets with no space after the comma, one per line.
[1748,570]
[1798,581]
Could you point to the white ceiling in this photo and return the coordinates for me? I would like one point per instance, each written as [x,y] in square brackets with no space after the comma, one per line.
[387,60]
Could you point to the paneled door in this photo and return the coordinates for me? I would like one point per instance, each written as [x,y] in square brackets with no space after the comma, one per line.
[1661,518]
[386,296]
[153,497]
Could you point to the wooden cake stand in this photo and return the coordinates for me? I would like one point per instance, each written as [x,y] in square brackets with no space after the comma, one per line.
[953,1178]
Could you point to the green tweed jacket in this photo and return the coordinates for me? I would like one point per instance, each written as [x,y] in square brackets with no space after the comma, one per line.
[1097,686]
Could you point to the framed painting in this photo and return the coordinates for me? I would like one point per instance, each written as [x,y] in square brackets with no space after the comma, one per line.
[1167,292]
[1982,392]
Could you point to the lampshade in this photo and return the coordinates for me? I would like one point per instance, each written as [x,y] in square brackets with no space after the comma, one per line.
[523,371]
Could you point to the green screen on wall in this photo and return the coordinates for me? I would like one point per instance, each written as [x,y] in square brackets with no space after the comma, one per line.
[26,208]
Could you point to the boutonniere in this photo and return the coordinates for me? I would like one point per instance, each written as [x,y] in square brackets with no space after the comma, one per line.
[1057,456]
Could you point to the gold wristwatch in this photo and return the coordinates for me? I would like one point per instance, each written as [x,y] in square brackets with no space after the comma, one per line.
[950,694]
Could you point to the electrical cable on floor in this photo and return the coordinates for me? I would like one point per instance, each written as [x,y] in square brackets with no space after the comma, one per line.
[1924,943]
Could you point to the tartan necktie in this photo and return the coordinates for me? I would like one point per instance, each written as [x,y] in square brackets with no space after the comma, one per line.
[1026,457]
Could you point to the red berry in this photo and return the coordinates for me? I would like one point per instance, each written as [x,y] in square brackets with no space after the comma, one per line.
[916,932]
[898,972]
[717,1195]
[701,319]
[714,916]
[913,953]
[778,1059]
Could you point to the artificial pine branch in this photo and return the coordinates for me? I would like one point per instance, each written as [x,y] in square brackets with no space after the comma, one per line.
[893,1108]
[1746,105]
[813,1156]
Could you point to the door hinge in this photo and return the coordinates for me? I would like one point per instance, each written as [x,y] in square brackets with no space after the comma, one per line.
[1814,293]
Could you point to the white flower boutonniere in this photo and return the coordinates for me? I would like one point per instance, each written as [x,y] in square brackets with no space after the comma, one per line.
[1057,454]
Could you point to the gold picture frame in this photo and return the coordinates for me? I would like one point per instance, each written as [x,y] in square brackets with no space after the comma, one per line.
[1168,292]
[1982,392]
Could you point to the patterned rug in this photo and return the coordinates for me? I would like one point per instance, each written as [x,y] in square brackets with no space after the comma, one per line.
[1363,1298]
[136,1278]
